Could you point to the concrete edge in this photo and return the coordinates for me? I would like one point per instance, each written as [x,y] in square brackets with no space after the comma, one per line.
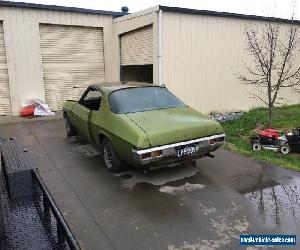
[17,119]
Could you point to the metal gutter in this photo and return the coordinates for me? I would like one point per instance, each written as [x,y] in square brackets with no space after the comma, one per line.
[160,47]
[227,14]
[58,8]
[133,15]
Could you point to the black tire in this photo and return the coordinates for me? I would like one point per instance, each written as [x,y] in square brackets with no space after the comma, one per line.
[285,149]
[69,128]
[256,146]
[111,160]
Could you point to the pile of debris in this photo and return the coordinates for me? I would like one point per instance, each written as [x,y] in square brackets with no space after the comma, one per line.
[228,116]
[35,107]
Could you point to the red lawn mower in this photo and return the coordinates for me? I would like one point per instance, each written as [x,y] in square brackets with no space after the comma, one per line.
[271,140]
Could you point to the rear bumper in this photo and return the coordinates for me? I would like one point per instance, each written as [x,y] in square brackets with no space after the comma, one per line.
[168,152]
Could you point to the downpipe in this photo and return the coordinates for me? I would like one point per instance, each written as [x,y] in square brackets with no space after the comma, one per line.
[160,47]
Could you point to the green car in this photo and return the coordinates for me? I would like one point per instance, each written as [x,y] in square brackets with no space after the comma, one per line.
[141,125]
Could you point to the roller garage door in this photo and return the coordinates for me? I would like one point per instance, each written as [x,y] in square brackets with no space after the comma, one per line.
[73,58]
[5,105]
[137,47]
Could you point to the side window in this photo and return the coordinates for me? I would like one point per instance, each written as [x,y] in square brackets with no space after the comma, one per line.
[92,99]
[92,94]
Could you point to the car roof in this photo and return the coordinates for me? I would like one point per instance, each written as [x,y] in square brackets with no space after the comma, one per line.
[112,86]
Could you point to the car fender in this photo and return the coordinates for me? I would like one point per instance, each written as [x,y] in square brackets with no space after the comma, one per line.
[122,147]
[68,108]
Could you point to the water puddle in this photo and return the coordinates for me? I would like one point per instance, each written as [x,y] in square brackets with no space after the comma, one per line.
[87,149]
[76,139]
[126,176]
[277,205]
[158,177]
[226,224]
[187,187]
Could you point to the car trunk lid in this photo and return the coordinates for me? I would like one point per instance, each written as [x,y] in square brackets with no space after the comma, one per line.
[172,125]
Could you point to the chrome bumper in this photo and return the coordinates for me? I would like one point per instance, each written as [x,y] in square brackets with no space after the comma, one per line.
[203,146]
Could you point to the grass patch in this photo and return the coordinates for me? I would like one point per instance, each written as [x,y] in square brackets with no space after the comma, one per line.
[239,132]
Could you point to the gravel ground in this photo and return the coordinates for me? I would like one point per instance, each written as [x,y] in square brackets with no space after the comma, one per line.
[228,116]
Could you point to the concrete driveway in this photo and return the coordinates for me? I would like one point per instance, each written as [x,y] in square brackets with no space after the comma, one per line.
[202,207]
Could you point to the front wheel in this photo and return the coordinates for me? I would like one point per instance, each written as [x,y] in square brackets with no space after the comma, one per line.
[69,128]
[111,160]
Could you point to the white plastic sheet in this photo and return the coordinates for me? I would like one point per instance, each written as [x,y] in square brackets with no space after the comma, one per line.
[41,108]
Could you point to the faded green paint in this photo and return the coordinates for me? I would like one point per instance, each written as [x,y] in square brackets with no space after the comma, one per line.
[172,125]
[138,130]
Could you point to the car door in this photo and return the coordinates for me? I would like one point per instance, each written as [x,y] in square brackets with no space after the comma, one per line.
[82,110]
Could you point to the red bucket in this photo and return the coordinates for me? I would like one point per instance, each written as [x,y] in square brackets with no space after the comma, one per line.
[27,111]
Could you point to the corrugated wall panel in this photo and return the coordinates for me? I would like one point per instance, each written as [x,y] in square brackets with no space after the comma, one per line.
[73,58]
[23,49]
[137,47]
[5,105]
[201,58]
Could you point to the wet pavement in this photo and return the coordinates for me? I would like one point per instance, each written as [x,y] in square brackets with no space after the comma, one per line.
[186,207]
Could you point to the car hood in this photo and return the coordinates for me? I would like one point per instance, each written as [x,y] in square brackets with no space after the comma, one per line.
[172,125]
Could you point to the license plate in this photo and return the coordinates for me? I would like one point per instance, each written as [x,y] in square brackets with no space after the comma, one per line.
[186,151]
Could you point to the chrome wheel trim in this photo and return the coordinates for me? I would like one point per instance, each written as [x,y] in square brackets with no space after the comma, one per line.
[107,157]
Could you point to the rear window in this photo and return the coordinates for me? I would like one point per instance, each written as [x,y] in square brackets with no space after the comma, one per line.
[132,100]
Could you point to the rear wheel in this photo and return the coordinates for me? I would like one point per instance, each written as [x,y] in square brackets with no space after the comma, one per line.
[69,128]
[256,146]
[285,149]
[111,160]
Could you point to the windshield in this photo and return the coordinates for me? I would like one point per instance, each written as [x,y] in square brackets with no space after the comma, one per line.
[142,99]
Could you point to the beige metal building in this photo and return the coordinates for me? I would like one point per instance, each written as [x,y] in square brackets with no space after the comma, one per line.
[54,52]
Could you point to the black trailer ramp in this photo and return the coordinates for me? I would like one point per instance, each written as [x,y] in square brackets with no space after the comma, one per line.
[29,217]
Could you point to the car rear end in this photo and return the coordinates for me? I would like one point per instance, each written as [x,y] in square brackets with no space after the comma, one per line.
[178,152]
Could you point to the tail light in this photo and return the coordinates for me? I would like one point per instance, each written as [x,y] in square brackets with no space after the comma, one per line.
[156,153]
[152,154]
[146,155]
